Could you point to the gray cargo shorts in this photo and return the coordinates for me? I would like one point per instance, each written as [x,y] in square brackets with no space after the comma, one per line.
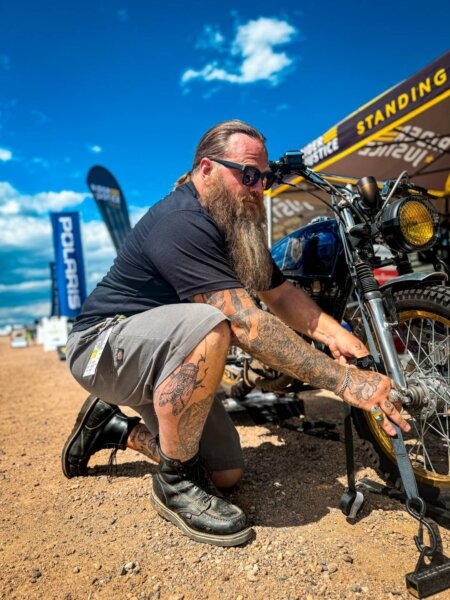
[140,353]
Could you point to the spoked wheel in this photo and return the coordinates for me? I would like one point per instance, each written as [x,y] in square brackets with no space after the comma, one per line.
[422,340]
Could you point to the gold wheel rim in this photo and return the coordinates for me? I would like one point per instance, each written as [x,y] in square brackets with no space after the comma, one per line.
[422,475]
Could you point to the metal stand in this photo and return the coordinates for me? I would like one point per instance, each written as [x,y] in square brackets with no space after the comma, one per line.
[439,514]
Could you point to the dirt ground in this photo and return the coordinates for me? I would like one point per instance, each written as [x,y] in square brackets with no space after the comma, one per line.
[96,537]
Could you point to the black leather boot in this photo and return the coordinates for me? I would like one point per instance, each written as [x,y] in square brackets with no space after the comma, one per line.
[184,494]
[99,425]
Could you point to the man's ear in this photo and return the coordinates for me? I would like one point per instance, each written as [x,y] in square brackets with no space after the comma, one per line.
[205,168]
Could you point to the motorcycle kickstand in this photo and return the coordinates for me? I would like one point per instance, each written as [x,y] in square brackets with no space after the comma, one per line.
[352,500]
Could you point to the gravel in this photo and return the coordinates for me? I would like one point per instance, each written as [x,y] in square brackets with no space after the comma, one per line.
[98,538]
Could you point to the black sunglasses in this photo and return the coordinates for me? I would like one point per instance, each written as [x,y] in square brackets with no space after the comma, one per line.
[250,175]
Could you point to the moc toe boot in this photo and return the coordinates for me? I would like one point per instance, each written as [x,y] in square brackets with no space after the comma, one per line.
[99,425]
[184,494]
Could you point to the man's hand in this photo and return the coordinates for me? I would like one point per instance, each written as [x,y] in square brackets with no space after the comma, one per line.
[369,390]
[344,345]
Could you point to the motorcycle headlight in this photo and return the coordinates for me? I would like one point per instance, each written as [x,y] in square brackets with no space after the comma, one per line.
[409,224]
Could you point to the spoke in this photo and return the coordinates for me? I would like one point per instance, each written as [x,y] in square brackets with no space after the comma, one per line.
[408,329]
[448,449]
[415,448]
[421,437]
[432,428]
[433,362]
[448,359]
[406,344]
[425,453]
[425,358]
[420,342]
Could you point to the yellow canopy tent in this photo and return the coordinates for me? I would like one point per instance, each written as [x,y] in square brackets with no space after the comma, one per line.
[405,128]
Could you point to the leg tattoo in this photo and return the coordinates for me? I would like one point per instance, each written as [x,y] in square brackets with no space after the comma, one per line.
[183,401]
[179,389]
[141,440]
[190,425]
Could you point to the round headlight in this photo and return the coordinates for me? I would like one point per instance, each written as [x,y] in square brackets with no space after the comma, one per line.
[409,224]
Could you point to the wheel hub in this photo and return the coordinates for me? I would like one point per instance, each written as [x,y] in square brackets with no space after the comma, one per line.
[429,396]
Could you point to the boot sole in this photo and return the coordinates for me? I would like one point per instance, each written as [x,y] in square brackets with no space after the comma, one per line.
[83,415]
[231,539]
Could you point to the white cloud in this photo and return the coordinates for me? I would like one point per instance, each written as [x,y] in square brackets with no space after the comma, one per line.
[13,202]
[25,286]
[95,149]
[252,52]
[33,310]
[11,207]
[136,213]
[41,162]
[24,233]
[211,38]
[5,155]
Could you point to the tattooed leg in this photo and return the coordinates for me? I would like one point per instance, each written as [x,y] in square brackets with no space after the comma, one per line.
[183,400]
[141,440]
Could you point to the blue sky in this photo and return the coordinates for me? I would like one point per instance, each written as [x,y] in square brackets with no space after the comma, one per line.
[132,85]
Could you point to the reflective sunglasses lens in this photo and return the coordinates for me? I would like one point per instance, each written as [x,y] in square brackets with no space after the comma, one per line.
[250,176]
[268,180]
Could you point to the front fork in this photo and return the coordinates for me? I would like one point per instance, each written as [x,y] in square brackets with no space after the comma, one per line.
[382,328]
[372,307]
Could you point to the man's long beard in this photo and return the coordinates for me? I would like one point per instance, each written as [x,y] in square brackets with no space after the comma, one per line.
[244,226]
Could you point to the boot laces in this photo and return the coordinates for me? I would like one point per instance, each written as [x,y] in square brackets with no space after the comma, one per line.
[112,465]
[202,482]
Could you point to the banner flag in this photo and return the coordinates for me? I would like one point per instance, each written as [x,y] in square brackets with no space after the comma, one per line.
[111,204]
[55,300]
[406,128]
[69,263]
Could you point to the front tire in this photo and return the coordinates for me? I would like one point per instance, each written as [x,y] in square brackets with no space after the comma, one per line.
[422,339]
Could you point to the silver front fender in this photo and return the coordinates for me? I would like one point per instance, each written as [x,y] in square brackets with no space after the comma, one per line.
[404,281]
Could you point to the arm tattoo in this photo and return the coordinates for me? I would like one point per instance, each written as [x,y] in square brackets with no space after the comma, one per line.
[267,338]
[216,299]
[178,390]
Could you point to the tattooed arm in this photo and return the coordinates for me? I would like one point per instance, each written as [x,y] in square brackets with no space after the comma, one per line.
[266,337]
[298,310]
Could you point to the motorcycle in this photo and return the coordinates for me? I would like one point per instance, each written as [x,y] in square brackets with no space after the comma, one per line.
[405,322]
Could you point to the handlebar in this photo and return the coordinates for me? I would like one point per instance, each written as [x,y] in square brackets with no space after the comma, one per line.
[292,163]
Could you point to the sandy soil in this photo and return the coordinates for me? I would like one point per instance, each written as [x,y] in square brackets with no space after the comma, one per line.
[98,538]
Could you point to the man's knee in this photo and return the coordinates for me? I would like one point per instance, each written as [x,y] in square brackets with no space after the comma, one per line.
[228,478]
[219,338]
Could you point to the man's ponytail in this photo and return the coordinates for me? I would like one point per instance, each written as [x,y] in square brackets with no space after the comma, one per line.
[183,179]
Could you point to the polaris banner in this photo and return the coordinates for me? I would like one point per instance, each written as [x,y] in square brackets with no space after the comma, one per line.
[111,204]
[69,263]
